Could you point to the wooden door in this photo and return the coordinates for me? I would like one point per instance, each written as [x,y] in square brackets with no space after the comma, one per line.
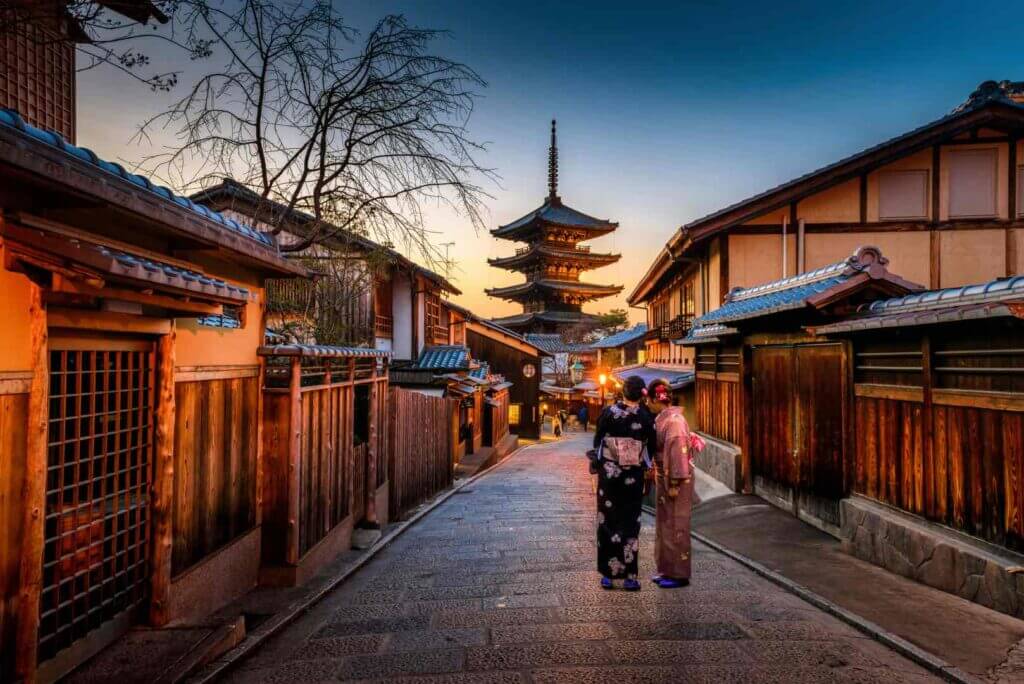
[99,469]
[820,386]
[772,439]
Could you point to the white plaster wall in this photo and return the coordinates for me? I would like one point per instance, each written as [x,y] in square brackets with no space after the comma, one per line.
[401,311]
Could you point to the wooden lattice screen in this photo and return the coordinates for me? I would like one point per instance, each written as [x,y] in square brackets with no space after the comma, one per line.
[98,473]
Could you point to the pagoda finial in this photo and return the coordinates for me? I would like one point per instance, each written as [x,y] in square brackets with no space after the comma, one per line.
[553,165]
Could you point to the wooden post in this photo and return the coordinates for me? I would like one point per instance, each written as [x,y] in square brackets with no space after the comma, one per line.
[162,489]
[371,453]
[294,460]
[745,391]
[34,492]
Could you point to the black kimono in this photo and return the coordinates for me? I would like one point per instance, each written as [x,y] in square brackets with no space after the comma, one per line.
[620,491]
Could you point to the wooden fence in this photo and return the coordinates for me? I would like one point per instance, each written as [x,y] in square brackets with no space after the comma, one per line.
[422,439]
[718,398]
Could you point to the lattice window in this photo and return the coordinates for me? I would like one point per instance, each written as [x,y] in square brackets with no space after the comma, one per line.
[37,78]
[889,362]
[515,412]
[97,481]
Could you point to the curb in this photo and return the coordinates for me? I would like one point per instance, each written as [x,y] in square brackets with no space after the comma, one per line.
[278,622]
[897,643]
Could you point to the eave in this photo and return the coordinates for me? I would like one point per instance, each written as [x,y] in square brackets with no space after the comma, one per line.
[542,252]
[536,286]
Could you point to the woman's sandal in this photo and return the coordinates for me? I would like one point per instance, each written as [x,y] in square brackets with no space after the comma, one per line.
[670,583]
[606,583]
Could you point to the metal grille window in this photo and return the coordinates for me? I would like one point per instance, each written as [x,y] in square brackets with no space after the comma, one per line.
[100,441]
[514,413]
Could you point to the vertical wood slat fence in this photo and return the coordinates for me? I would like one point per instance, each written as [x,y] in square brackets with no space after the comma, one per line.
[422,447]
[323,439]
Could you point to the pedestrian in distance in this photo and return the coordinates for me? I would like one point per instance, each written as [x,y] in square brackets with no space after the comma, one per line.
[673,470]
[624,439]
[556,424]
[584,417]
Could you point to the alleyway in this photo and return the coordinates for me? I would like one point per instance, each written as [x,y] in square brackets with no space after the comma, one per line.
[498,585]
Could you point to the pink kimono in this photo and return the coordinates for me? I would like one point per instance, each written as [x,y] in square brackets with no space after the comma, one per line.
[673,462]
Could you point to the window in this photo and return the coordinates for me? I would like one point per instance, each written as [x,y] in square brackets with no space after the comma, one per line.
[902,195]
[972,183]
[514,413]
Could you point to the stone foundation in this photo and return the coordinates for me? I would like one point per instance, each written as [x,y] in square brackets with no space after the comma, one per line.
[934,555]
[721,460]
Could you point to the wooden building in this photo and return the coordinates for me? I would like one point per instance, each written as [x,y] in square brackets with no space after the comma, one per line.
[509,354]
[129,402]
[893,423]
[943,201]
[390,302]
[624,348]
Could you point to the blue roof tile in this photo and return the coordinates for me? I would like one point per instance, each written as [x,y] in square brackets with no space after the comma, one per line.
[444,357]
[621,338]
[10,118]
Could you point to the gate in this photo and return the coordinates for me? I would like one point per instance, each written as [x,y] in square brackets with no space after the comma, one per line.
[799,426]
[100,449]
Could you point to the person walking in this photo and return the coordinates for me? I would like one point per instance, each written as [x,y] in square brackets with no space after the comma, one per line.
[673,468]
[624,438]
[584,417]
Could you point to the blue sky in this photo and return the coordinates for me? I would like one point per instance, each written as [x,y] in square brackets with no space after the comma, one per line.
[667,111]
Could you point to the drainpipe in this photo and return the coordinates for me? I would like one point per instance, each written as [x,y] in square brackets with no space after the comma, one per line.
[801,253]
[785,224]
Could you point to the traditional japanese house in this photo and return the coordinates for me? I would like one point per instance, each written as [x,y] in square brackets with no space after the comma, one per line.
[936,408]
[624,348]
[129,402]
[510,355]
[943,201]
[770,386]
[377,297]
[553,295]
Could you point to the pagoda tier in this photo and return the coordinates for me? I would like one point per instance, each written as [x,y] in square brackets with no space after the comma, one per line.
[546,321]
[554,291]
[554,260]
[555,221]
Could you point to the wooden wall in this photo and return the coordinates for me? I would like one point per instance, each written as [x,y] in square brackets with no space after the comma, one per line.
[944,436]
[13,425]
[718,393]
[215,452]
[509,362]
[422,447]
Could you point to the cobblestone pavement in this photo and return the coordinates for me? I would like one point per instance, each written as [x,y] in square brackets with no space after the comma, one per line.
[498,585]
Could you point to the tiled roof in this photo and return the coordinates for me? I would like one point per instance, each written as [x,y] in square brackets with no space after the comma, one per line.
[546,317]
[315,350]
[793,293]
[552,343]
[444,357]
[10,118]
[970,302]
[621,338]
[706,334]
[481,372]
[161,273]
[554,212]
[677,378]
[554,285]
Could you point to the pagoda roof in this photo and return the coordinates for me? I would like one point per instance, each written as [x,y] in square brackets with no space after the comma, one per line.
[555,214]
[535,253]
[546,285]
[554,317]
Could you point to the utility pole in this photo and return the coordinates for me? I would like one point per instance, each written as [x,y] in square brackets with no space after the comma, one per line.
[447,261]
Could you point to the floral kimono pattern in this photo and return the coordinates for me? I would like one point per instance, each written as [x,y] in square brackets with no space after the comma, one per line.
[620,492]
[674,464]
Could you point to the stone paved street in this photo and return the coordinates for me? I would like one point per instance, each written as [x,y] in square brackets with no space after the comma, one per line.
[498,585]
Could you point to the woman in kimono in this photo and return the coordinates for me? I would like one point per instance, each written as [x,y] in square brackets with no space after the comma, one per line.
[674,486]
[624,439]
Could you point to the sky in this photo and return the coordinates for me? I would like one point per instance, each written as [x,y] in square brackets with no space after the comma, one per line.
[666,111]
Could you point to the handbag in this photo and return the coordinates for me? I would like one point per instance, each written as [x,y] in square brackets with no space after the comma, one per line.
[623,450]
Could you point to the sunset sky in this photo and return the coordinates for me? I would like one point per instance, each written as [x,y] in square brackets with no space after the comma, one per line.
[667,111]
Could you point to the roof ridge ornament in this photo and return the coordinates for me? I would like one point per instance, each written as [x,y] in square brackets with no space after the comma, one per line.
[553,165]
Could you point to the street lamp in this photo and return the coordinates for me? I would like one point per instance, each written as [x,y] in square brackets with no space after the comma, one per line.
[602,379]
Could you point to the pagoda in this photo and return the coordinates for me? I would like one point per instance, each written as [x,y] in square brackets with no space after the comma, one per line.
[552,260]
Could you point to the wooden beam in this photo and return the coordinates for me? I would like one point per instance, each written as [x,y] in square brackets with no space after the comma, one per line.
[162,497]
[936,176]
[934,259]
[87,319]
[1011,207]
[723,269]
[893,392]
[863,198]
[33,492]
[149,298]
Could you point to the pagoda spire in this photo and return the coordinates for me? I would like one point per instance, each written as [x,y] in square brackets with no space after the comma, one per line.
[553,165]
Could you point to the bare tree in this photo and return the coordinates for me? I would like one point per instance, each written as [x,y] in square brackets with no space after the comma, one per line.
[112,33]
[360,132]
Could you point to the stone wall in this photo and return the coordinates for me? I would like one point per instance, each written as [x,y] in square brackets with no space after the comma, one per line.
[721,460]
[933,555]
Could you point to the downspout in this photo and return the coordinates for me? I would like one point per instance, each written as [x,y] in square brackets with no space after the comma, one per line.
[801,253]
[785,224]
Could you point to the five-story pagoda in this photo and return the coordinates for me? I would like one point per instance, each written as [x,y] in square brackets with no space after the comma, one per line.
[552,261]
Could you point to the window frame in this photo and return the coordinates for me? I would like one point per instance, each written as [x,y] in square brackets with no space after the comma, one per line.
[962,153]
[925,175]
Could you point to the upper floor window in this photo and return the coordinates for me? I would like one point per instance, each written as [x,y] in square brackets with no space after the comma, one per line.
[902,195]
[972,183]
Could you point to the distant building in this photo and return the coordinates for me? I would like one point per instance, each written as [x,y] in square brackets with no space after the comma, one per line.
[621,349]
[553,294]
